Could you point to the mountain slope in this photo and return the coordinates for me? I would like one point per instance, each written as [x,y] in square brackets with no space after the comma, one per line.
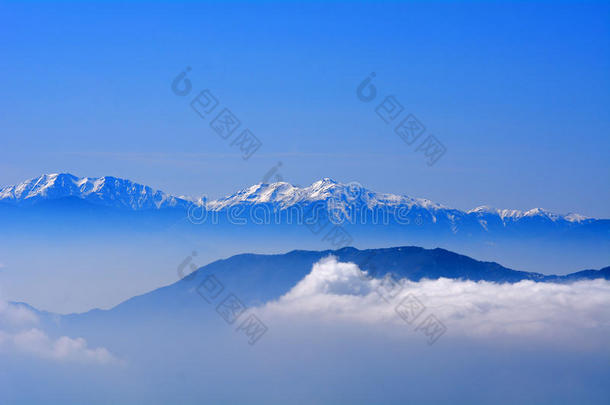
[349,203]
[79,207]
[256,279]
[108,191]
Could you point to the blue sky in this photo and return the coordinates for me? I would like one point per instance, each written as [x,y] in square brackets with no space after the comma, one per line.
[518,93]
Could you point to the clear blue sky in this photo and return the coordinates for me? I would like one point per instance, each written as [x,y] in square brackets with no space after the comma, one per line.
[518,93]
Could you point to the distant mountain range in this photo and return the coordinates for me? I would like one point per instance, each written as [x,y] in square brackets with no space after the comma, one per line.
[346,200]
[107,191]
[302,217]
[257,279]
[260,278]
[185,319]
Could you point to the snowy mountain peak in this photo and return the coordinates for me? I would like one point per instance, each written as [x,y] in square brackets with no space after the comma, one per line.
[283,194]
[110,191]
[121,193]
[573,217]
[324,182]
[506,214]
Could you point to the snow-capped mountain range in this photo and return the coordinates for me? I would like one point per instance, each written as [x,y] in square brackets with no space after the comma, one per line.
[108,191]
[282,216]
[121,193]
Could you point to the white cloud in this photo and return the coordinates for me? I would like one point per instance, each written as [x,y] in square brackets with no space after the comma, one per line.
[18,335]
[570,313]
[37,342]
[330,277]
[16,314]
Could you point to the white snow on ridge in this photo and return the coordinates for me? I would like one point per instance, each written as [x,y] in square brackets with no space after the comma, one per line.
[118,192]
[110,191]
[284,195]
[514,215]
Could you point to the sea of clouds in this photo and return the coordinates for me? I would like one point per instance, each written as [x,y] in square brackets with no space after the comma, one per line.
[337,337]
[21,333]
[555,313]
